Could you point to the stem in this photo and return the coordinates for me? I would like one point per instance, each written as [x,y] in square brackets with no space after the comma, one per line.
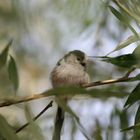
[110,81]
[12,101]
[35,118]
[58,124]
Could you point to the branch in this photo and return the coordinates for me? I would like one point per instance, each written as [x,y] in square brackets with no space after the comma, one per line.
[59,120]
[12,101]
[110,81]
[35,118]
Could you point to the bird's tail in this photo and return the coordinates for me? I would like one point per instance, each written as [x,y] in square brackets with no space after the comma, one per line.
[58,124]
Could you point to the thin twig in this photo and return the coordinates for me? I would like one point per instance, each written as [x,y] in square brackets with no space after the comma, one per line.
[36,117]
[8,102]
[110,81]
[59,120]
[12,101]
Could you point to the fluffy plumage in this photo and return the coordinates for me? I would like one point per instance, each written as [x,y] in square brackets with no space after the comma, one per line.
[70,70]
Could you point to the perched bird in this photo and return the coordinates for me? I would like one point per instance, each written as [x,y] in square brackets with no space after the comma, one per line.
[71,70]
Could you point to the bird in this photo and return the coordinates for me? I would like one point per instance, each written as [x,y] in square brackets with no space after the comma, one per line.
[70,70]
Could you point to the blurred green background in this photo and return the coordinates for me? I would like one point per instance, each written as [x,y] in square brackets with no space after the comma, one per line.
[42,32]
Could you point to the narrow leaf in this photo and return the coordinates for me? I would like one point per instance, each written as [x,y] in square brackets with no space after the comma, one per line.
[4,54]
[126,61]
[13,73]
[130,128]
[71,91]
[133,97]
[125,43]
[33,127]
[136,126]
[66,108]
[137,117]
[136,78]
[136,53]
[123,119]
[59,121]
[123,19]
[6,131]
[118,14]
[137,121]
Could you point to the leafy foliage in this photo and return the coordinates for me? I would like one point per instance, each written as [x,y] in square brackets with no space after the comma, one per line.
[83,14]
[6,131]
[126,43]
[66,108]
[4,54]
[33,126]
[134,96]
[95,93]
[126,61]
[10,65]
[123,19]
[13,73]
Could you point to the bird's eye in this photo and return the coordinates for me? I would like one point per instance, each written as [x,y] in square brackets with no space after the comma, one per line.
[78,59]
[58,64]
[83,64]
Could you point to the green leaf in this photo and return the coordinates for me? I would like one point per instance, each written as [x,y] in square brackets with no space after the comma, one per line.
[67,91]
[105,93]
[71,91]
[133,97]
[66,108]
[4,54]
[125,43]
[64,91]
[13,73]
[126,61]
[97,133]
[137,121]
[123,119]
[123,19]
[33,127]
[136,52]
[136,126]
[6,131]
[137,117]
[131,127]
[59,121]
[130,8]
[136,78]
